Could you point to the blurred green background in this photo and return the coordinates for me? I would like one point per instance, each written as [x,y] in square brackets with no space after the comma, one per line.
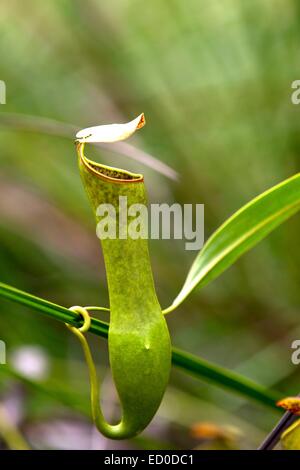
[214,80]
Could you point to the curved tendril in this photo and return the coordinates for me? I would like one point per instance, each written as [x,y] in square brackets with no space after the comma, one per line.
[169,309]
[94,308]
[105,428]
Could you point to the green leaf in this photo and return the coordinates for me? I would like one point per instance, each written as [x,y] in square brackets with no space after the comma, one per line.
[189,363]
[240,232]
[290,439]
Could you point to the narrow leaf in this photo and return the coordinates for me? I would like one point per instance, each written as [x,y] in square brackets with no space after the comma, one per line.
[290,439]
[240,232]
[191,364]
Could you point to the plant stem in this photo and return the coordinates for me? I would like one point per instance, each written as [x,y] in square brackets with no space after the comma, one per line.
[222,376]
[273,438]
[189,363]
[10,433]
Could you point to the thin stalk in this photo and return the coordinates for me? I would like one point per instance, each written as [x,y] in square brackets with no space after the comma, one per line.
[10,433]
[274,437]
[221,376]
[191,364]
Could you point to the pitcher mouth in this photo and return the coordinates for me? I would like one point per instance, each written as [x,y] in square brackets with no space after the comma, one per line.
[107,173]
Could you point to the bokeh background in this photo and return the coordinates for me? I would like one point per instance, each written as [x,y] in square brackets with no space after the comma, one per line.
[214,80]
